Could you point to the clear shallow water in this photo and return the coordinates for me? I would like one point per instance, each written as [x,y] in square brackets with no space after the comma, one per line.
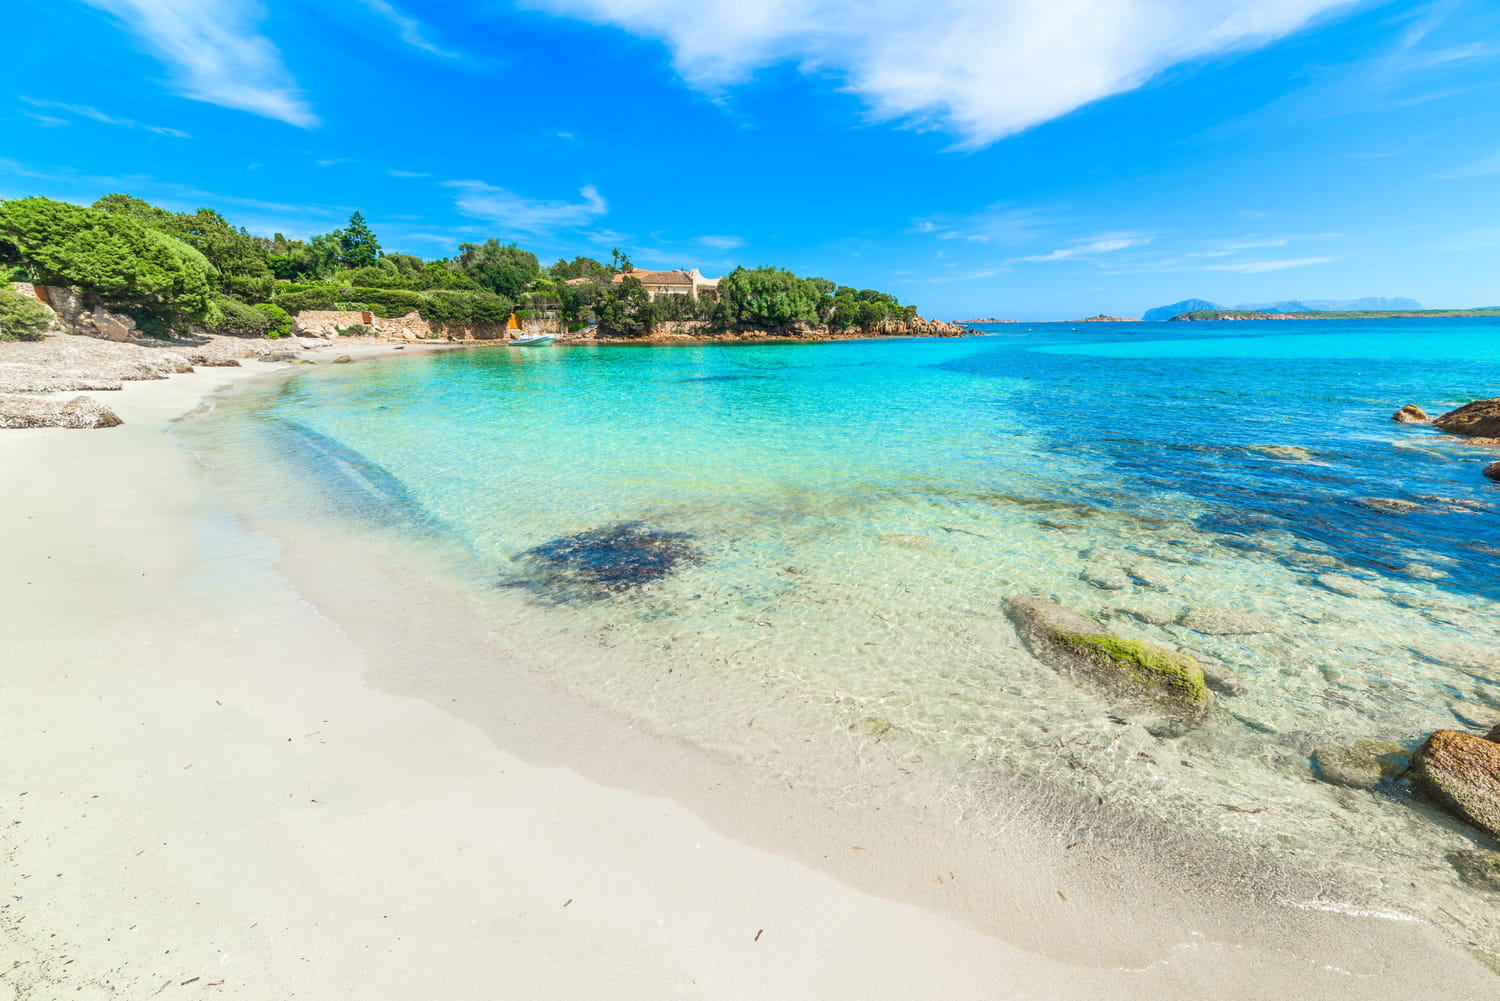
[819,539]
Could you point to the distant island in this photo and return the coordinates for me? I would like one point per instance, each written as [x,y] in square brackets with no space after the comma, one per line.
[1105,318]
[1367,304]
[1347,314]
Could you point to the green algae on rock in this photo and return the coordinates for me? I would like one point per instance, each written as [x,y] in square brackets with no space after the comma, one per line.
[1360,765]
[1131,669]
[1461,773]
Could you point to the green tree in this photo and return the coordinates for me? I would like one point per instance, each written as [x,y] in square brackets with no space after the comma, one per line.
[358,247]
[767,297]
[504,269]
[112,256]
[580,267]
[239,258]
[22,318]
[626,309]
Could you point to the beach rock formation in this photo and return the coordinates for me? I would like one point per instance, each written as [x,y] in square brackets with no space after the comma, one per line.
[1461,773]
[1493,470]
[79,412]
[1480,419]
[342,360]
[1360,765]
[1130,669]
[1410,414]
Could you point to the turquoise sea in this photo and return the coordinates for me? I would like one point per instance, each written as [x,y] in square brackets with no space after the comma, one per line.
[746,544]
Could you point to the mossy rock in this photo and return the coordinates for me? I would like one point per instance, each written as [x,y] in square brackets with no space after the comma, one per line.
[1477,867]
[1133,670]
[1461,773]
[1363,764]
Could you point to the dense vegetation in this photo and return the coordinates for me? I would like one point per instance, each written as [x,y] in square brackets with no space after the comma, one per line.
[22,318]
[173,269]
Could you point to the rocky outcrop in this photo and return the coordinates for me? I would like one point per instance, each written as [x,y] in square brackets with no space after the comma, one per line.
[1363,764]
[1410,414]
[1480,419]
[1493,470]
[31,412]
[1461,773]
[79,313]
[1138,672]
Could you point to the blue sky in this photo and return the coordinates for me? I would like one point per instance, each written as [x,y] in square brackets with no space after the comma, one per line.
[1033,159]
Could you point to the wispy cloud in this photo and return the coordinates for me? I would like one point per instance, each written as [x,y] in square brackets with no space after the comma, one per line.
[1476,168]
[519,214]
[980,70]
[85,111]
[216,53]
[1261,267]
[411,30]
[1106,244]
[721,242]
[49,121]
[406,173]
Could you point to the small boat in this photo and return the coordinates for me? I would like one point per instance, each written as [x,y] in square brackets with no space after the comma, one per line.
[531,340]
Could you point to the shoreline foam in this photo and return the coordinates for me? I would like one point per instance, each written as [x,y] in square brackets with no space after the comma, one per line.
[367,771]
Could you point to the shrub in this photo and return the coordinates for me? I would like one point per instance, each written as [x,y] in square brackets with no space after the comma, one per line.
[357,330]
[22,318]
[281,320]
[234,317]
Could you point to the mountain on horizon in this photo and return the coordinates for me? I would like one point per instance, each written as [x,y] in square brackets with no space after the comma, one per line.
[1177,309]
[1284,306]
[1323,305]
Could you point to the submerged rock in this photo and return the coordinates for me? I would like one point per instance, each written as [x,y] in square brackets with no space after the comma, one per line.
[1480,419]
[1392,504]
[1461,773]
[1291,452]
[1224,622]
[1131,669]
[1224,681]
[1350,587]
[1477,867]
[1493,470]
[1410,414]
[1362,764]
[342,360]
[608,560]
[1106,578]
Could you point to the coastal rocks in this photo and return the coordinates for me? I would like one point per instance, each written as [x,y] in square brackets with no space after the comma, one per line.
[606,561]
[1130,669]
[1461,773]
[1410,414]
[1492,471]
[1480,419]
[1363,764]
[342,360]
[80,314]
[1224,622]
[79,412]
[1477,867]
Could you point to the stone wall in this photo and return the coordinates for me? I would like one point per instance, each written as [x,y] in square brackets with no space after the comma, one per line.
[411,327]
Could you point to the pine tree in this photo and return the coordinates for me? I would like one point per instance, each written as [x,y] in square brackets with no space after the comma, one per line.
[358,246]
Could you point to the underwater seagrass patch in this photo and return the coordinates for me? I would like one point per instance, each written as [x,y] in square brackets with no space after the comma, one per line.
[606,561]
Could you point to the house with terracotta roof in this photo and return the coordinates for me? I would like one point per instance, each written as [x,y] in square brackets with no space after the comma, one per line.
[660,283]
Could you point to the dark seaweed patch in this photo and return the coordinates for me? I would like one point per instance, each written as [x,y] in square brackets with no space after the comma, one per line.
[606,561]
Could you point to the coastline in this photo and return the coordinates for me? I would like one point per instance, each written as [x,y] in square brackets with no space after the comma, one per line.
[315,764]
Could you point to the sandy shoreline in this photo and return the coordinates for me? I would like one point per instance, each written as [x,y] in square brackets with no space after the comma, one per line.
[236,766]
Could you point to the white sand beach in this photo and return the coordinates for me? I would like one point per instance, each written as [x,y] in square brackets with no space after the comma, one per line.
[235,768]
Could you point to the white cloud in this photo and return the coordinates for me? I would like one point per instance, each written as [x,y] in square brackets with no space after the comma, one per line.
[1261,267]
[721,242]
[516,213]
[406,173]
[410,28]
[216,53]
[84,111]
[1101,245]
[983,69]
[1477,168]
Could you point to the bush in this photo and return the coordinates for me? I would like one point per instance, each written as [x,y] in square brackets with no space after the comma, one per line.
[357,330]
[234,317]
[22,318]
[317,297]
[281,320]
